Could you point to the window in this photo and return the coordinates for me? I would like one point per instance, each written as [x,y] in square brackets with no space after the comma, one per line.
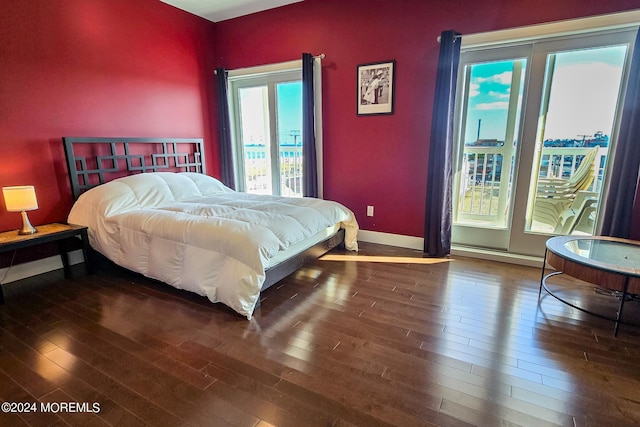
[267,121]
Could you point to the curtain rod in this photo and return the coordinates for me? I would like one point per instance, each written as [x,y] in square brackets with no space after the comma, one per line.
[459,36]
[321,56]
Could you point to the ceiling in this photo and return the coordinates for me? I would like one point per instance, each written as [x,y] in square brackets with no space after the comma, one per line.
[219,10]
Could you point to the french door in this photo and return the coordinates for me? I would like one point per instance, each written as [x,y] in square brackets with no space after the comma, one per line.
[534,129]
[267,123]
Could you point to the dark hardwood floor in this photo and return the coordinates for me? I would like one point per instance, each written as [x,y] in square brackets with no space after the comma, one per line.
[384,337]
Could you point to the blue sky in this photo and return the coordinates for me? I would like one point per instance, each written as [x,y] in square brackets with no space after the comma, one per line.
[289,110]
[488,100]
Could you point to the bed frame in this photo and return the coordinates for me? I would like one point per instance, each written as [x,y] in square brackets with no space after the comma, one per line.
[94,161]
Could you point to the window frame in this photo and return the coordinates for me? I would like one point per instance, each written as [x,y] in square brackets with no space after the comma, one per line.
[265,70]
[256,77]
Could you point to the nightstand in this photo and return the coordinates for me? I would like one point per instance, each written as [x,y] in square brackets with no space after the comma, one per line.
[62,234]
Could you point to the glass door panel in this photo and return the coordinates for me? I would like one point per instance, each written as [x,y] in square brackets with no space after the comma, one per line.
[289,107]
[577,120]
[491,92]
[569,127]
[255,139]
[266,118]
[493,107]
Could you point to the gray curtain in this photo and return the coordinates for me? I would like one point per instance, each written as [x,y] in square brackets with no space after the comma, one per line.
[309,164]
[437,224]
[227,175]
[623,187]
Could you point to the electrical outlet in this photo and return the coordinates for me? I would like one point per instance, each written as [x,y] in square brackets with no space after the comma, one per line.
[369,210]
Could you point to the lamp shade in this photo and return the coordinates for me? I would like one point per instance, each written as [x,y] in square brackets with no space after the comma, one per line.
[18,199]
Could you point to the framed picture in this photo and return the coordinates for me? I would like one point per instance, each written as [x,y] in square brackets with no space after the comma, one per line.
[375,88]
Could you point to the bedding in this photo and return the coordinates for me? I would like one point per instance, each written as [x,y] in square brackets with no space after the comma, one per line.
[192,232]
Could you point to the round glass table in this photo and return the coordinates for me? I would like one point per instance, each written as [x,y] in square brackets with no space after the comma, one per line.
[608,262]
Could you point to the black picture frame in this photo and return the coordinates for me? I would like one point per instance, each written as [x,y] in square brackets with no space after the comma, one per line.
[375,88]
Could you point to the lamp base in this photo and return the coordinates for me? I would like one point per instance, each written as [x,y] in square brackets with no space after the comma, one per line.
[27,228]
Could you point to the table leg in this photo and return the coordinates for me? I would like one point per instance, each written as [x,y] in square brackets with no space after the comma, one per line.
[619,316]
[544,266]
[62,248]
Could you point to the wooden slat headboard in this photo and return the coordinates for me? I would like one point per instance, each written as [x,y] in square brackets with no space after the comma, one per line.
[94,161]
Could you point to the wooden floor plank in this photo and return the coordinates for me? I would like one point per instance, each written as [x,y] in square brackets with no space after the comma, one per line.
[341,342]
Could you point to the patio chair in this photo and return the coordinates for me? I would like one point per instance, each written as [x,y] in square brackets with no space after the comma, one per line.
[557,204]
[578,216]
[581,179]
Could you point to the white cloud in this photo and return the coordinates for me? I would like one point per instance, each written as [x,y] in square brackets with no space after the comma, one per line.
[502,78]
[474,90]
[500,95]
[500,105]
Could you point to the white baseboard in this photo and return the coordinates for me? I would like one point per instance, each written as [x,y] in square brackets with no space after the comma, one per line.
[398,240]
[411,242]
[500,256]
[40,266]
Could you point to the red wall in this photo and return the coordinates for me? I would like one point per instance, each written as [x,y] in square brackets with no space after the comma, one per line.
[143,68]
[96,68]
[381,160]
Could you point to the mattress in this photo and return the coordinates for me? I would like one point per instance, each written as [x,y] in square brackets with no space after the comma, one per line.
[194,233]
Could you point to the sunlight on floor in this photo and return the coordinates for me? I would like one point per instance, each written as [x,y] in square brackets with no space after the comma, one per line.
[387,259]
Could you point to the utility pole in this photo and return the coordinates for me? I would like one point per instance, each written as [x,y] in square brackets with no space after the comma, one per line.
[295,134]
[584,139]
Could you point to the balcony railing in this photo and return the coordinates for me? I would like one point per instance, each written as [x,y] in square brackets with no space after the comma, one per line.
[485,183]
[257,165]
[562,162]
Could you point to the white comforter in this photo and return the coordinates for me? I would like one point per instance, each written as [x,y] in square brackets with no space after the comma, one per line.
[192,232]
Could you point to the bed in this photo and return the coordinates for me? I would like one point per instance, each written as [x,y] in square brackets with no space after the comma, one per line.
[149,207]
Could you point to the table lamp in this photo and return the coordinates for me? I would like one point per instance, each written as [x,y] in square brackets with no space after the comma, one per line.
[21,199]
